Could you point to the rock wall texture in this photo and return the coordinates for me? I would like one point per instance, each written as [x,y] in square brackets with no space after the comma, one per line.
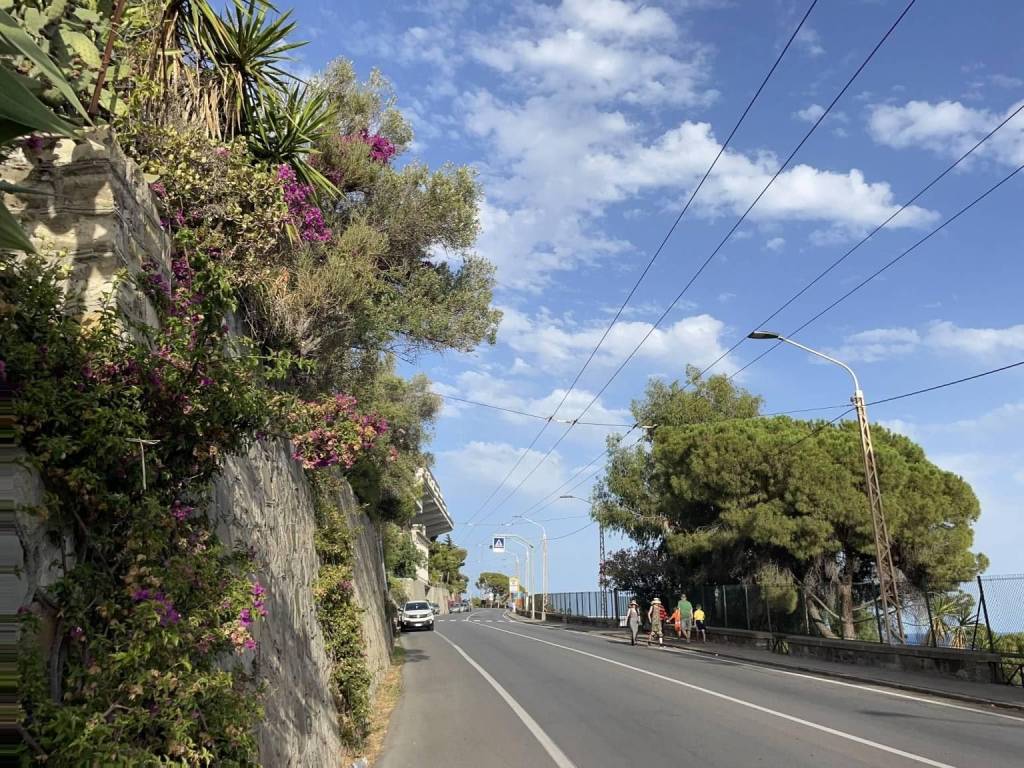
[97,210]
[261,503]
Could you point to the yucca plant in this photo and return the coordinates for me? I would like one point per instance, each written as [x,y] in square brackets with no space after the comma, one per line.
[247,54]
[22,113]
[283,127]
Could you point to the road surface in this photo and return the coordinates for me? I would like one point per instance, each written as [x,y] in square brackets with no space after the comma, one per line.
[483,691]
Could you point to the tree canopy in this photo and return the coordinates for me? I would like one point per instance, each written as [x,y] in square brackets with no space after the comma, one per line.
[734,497]
[445,563]
[490,581]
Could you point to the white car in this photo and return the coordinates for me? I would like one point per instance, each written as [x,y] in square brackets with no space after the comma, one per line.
[417,615]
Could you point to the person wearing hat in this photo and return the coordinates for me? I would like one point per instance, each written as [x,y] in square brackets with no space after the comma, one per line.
[633,621]
[656,615]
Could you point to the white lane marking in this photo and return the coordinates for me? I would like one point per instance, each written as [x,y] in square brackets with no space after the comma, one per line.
[556,754]
[817,678]
[842,683]
[741,702]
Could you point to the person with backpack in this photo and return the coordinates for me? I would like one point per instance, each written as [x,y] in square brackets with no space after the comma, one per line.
[656,615]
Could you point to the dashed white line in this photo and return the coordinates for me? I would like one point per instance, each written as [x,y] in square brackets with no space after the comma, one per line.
[556,754]
[741,702]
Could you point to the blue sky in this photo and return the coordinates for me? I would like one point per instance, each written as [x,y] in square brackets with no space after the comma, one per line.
[590,121]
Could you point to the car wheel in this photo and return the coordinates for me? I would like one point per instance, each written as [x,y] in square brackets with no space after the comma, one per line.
[430,628]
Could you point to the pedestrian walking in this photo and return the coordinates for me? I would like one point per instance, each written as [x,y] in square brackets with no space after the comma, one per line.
[685,609]
[656,615]
[698,620]
[633,621]
[676,622]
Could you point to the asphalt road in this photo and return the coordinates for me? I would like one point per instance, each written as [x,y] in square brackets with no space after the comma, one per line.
[556,697]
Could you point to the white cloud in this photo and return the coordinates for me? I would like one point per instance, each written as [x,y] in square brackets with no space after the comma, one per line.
[479,467]
[599,50]
[487,388]
[776,244]
[949,128]
[560,345]
[562,164]
[939,336]
[980,342]
[1005,81]
[809,39]
[878,344]
[613,18]
[810,113]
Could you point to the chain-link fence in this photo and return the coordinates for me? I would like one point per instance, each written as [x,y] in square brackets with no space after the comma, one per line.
[986,614]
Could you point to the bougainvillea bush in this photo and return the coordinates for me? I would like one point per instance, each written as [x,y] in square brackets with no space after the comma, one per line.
[151,608]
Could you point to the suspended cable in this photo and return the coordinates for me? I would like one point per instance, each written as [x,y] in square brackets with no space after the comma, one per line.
[712,255]
[867,237]
[650,263]
[887,265]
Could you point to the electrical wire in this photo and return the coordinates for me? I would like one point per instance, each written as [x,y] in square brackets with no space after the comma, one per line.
[646,269]
[886,266]
[710,257]
[867,237]
[526,413]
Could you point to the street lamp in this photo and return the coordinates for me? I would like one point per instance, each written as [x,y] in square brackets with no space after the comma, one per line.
[529,567]
[883,549]
[543,566]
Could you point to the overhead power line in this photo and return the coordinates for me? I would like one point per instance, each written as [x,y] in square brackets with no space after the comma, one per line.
[517,412]
[887,265]
[646,269]
[867,237]
[709,259]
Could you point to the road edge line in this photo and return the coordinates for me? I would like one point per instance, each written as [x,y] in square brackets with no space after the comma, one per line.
[554,752]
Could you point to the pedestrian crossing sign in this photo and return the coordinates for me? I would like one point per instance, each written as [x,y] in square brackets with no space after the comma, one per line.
[498,545]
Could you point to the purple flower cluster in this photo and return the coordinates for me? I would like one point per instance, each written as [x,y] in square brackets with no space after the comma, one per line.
[34,143]
[381,148]
[168,613]
[258,603]
[158,189]
[181,512]
[303,211]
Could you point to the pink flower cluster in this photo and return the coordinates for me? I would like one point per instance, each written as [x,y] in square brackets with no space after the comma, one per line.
[303,211]
[332,432]
[381,148]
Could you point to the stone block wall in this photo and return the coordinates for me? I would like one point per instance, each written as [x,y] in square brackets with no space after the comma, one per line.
[90,204]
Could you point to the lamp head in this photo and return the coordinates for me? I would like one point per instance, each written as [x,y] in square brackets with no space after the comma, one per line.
[763,335]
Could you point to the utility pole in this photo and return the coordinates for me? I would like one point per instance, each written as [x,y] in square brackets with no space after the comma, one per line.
[887,589]
[600,559]
[888,592]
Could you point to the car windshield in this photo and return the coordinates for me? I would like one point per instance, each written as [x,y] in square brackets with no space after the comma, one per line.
[417,607]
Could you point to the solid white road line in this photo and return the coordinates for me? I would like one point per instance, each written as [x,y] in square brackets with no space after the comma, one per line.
[556,754]
[741,702]
[829,681]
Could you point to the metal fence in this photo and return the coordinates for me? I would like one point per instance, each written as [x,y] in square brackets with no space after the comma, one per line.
[986,614]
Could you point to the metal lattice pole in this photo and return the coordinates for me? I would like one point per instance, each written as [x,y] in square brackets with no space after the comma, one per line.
[600,558]
[887,588]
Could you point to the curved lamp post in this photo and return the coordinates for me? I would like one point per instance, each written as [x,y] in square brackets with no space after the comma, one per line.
[887,588]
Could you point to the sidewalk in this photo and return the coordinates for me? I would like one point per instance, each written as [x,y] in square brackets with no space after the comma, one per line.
[988,694]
